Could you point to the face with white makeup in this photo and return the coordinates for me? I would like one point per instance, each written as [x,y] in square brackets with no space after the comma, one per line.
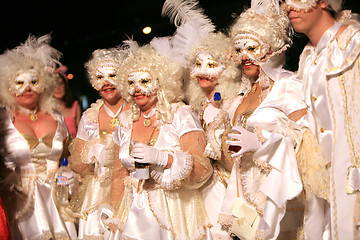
[142,87]
[104,76]
[249,51]
[27,88]
[206,70]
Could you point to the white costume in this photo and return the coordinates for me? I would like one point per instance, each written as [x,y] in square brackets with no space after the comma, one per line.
[167,207]
[264,178]
[204,53]
[331,83]
[92,151]
[32,161]
[97,152]
[254,187]
[38,217]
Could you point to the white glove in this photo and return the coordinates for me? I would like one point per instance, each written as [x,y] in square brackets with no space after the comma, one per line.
[148,154]
[128,162]
[248,141]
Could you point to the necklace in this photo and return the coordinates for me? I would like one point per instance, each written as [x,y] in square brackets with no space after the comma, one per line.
[31,113]
[147,121]
[114,121]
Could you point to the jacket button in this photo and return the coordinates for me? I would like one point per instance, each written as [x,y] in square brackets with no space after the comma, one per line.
[322,130]
[314,98]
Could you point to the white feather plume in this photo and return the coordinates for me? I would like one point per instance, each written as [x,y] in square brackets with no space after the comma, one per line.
[39,48]
[192,26]
[162,46]
[182,11]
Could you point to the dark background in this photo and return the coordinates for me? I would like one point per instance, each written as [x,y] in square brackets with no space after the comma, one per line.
[79,27]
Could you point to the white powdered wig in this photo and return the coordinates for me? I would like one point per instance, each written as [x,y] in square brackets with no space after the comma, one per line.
[167,72]
[229,82]
[266,21]
[35,54]
[114,56]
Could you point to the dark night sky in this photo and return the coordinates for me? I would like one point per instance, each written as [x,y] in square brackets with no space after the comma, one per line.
[79,27]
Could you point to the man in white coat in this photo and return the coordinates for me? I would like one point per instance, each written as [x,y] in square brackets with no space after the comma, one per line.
[330,70]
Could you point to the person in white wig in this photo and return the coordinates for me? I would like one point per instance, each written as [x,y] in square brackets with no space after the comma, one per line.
[265,180]
[37,137]
[330,71]
[92,151]
[160,145]
[211,78]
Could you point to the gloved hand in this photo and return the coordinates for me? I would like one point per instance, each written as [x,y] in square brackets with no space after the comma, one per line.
[248,141]
[148,154]
[128,162]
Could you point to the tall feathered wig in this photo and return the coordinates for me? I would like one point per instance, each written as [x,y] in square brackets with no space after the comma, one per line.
[267,21]
[195,33]
[229,82]
[154,58]
[102,56]
[34,54]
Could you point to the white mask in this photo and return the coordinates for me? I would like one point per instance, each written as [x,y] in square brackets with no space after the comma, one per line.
[206,66]
[301,4]
[105,71]
[25,79]
[143,81]
[251,46]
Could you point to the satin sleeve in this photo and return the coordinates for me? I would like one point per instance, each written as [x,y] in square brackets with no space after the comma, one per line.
[286,94]
[278,154]
[190,167]
[78,159]
[87,128]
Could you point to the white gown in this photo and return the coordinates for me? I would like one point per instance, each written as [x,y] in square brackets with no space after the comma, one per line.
[216,122]
[331,84]
[35,161]
[97,152]
[262,182]
[167,206]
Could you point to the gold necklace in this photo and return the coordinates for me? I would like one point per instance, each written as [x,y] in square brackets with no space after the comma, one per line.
[31,113]
[114,117]
[147,118]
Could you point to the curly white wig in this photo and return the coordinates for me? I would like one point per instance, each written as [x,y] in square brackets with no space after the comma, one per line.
[272,28]
[165,70]
[116,54]
[229,82]
[35,54]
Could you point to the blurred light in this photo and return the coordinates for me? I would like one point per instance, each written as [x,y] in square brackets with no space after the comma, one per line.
[84,101]
[146,30]
[70,76]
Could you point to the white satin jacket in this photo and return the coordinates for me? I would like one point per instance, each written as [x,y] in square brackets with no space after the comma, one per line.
[331,83]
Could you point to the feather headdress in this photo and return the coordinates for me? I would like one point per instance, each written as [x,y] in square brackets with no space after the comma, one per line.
[196,33]
[192,26]
[35,54]
[266,20]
